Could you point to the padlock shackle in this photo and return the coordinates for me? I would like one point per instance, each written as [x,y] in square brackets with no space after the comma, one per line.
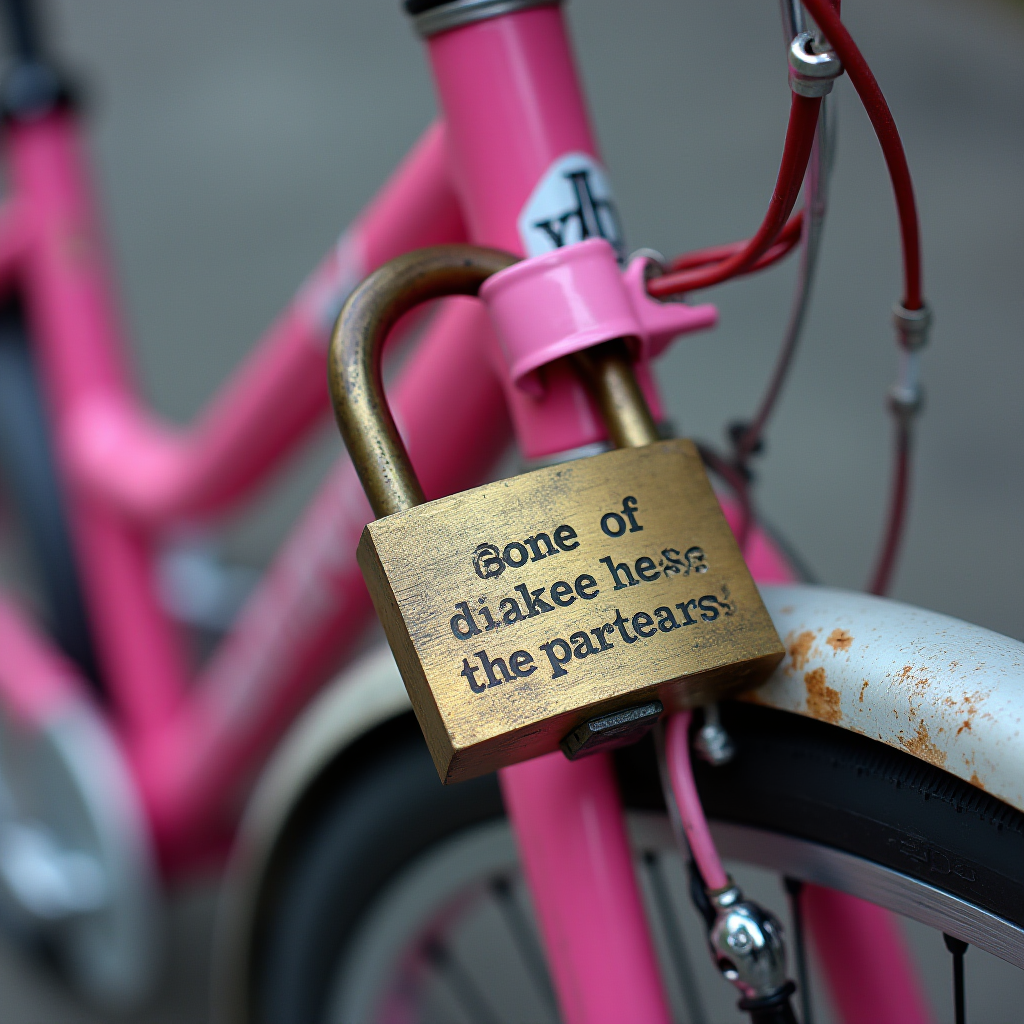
[607,373]
[354,365]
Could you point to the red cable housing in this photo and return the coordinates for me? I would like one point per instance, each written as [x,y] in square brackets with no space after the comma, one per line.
[888,138]
[803,120]
[783,244]
[776,237]
[706,267]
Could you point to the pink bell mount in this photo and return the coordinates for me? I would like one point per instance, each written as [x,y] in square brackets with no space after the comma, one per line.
[564,301]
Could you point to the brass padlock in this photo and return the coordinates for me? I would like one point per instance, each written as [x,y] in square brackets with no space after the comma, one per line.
[523,608]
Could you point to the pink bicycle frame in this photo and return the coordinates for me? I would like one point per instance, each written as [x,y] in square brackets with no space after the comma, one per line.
[511,105]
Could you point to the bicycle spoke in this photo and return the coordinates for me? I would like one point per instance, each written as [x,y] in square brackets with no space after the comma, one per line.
[957,947]
[794,888]
[467,995]
[525,939]
[674,938]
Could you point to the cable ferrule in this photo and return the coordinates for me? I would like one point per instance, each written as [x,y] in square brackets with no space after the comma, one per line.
[811,73]
[912,325]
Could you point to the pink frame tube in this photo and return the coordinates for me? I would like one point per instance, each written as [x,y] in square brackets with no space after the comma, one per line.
[569,826]
[76,332]
[146,471]
[870,973]
[512,105]
[36,683]
[312,606]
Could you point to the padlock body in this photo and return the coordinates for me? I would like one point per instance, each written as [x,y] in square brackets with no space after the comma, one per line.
[519,609]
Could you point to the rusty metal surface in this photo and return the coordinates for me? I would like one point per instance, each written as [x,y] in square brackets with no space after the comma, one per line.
[940,689]
[519,609]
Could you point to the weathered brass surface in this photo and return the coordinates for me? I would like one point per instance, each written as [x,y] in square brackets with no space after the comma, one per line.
[520,609]
[501,663]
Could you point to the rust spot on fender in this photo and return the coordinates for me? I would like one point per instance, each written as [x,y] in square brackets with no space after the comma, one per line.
[921,745]
[966,725]
[800,648]
[975,781]
[863,687]
[839,640]
[822,700]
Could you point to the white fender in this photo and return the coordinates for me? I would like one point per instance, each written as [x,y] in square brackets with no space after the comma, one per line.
[937,688]
[940,689]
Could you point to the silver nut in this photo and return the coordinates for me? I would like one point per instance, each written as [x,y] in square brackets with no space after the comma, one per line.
[912,325]
[905,401]
[712,743]
[746,943]
[811,73]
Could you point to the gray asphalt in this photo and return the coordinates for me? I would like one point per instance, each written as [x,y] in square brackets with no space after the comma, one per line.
[233,141]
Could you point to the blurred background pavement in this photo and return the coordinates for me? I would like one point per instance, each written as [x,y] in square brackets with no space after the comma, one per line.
[233,141]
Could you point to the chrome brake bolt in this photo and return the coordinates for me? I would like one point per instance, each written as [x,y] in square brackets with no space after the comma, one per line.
[906,396]
[812,72]
[912,326]
[746,944]
[712,743]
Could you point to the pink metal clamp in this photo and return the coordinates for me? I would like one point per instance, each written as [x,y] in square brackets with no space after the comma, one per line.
[575,297]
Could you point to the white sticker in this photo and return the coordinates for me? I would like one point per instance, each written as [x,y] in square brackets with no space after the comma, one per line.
[573,201]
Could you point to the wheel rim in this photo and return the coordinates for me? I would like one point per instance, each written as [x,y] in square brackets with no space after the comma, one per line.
[419,953]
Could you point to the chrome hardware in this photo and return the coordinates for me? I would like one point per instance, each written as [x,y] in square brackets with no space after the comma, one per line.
[811,73]
[712,743]
[746,944]
[906,396]
[465,12]
[656,262]
[912,325]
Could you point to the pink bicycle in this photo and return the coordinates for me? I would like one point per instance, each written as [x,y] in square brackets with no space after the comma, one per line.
[361,888]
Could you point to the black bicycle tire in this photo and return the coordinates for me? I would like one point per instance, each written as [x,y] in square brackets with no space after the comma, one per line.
[368,830]
[803,778]
[389,810]
[32,483]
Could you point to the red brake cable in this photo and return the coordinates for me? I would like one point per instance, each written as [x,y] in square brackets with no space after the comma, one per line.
[712,266]
[888,138]
[775,238]
[784,242]
[803,120]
